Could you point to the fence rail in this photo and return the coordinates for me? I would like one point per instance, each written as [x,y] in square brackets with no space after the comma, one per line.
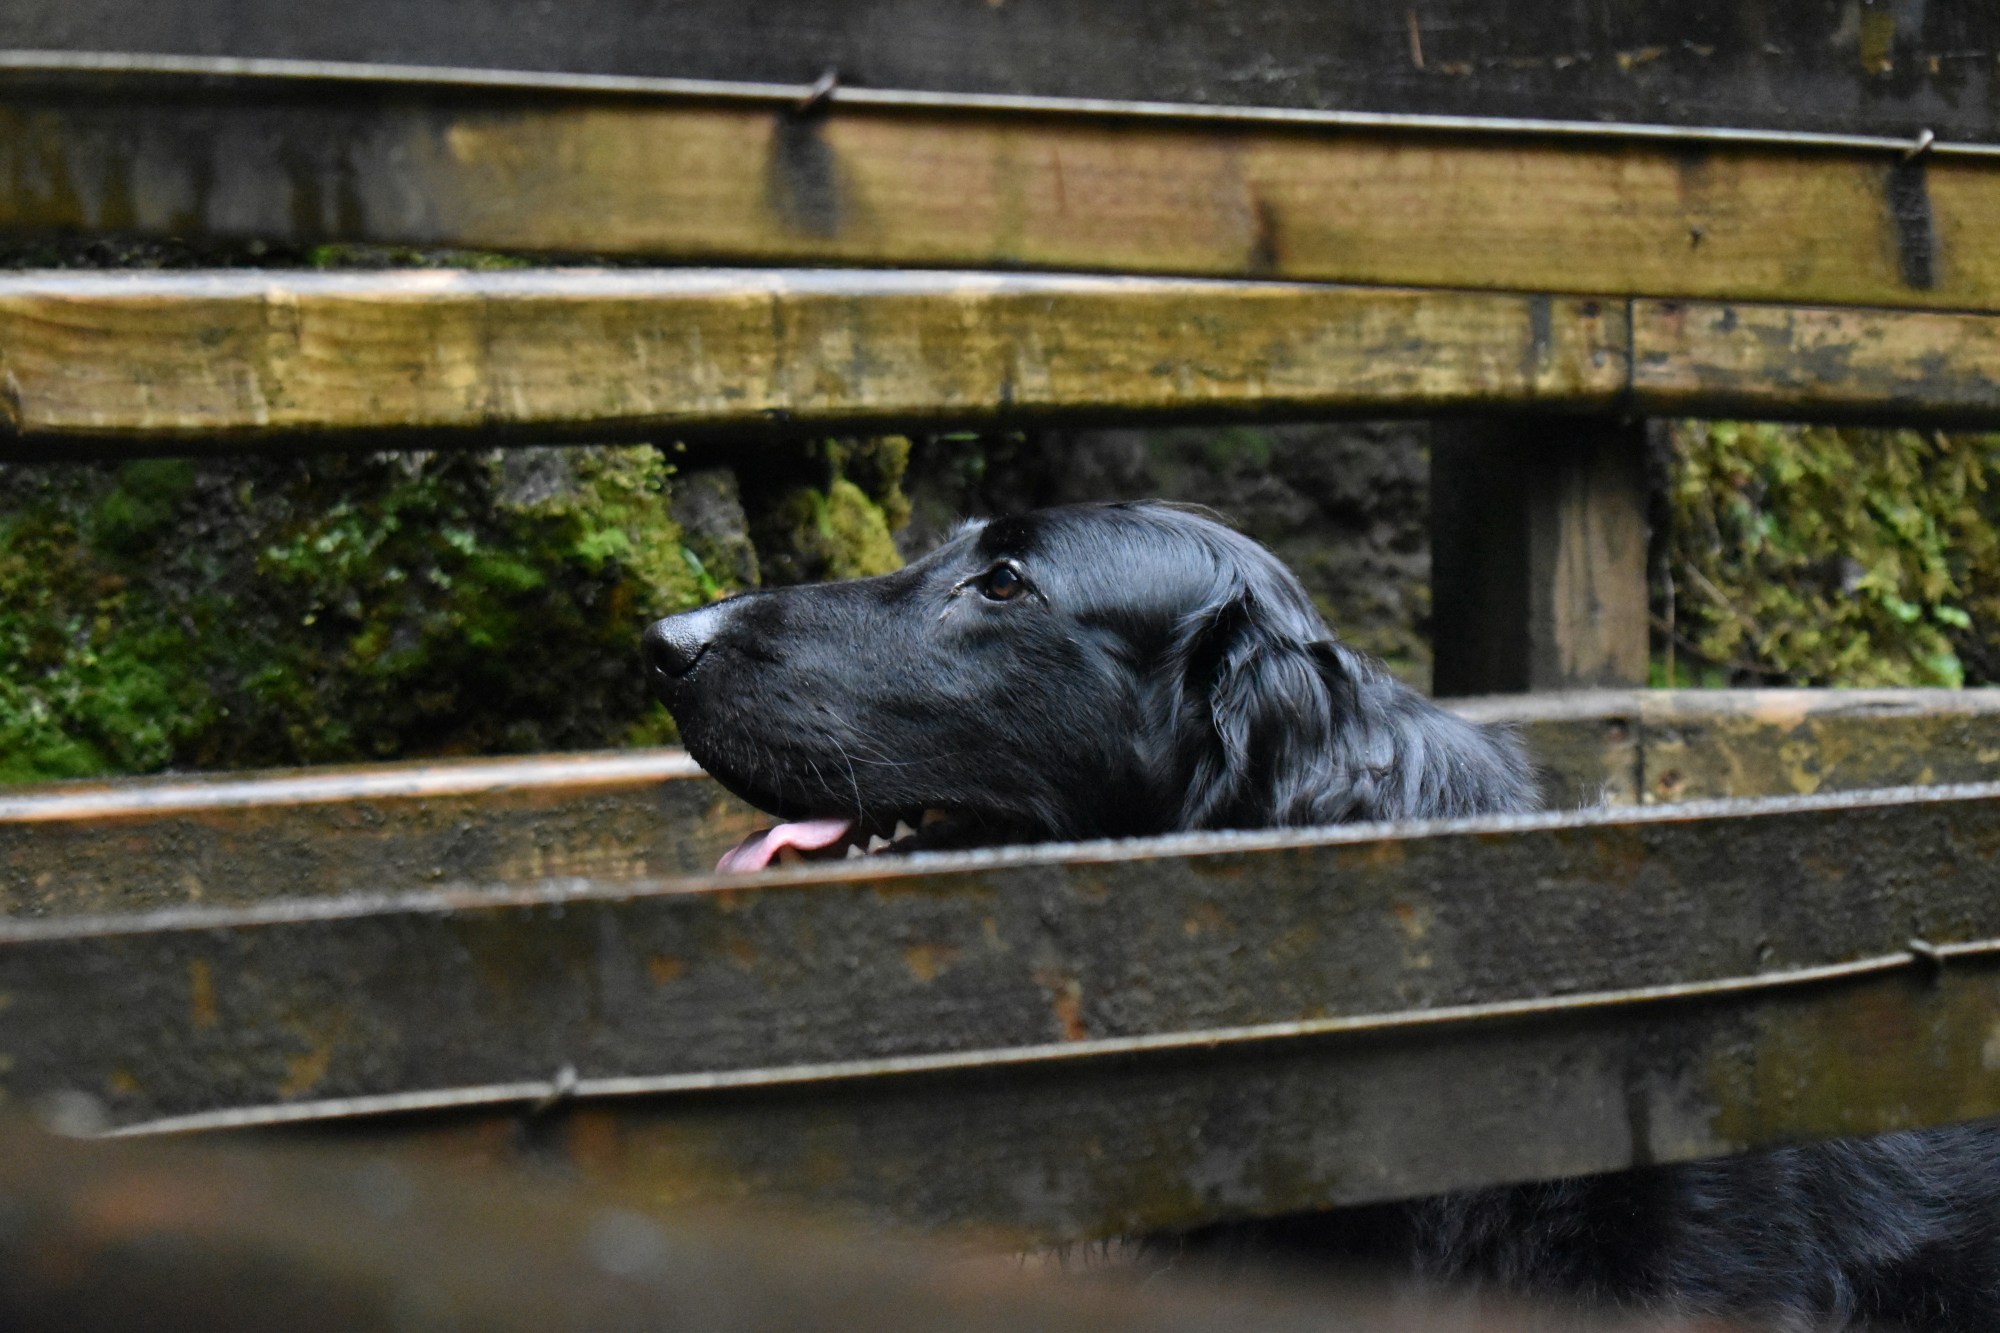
[1089,1040]
[170,362]
[104,1238]
[162,361]
[711,175]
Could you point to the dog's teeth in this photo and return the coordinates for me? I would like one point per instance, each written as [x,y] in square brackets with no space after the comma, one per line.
[934,817]
[876,842]
[854,852]
[789,856]
[902,831]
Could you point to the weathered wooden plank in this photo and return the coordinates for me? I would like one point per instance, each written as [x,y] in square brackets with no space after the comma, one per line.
[1121,1144]
[219,357]
[1881,68]
[1538,555]
[135,845]
[744,180]
[1288,1020]
[178,360]
[1659,746]
[1908,368]
[138,845]
[104,1238]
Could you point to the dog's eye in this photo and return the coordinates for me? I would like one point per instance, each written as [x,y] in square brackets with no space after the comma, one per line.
[1002,583]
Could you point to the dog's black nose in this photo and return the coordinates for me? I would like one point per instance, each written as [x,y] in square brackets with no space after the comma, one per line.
[672,646]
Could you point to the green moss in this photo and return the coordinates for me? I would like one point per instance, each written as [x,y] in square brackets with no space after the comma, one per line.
[142,504]
[836,533]
[1817,556]
[93,681]
[857,534]
[1237,447]
[247,612]
[252,612]
[876,466]
[481,603]
[840,523]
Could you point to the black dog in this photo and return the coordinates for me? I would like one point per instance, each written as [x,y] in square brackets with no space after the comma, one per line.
[1120,670]
[1096,671]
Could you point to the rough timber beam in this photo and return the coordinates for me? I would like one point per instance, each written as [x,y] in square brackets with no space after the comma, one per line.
[1538,554]
[105,1238]
[723,173]
[1081,1041]
[177,361]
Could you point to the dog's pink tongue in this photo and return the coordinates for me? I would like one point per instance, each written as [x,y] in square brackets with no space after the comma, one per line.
[807,835]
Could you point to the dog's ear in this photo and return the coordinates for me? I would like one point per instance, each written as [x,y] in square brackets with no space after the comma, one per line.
[1269,723]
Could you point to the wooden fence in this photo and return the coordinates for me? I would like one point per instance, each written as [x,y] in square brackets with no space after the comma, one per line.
[1574,274]
[1508,218]
[1156,1034]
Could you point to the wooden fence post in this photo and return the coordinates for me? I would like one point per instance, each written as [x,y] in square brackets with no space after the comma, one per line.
[1538,554]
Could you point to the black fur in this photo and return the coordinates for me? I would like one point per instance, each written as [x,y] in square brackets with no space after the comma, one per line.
[1155,671]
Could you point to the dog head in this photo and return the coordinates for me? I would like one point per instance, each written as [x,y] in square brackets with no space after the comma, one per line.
[1088,671]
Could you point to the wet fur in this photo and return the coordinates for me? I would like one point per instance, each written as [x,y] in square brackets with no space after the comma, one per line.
[1169,674]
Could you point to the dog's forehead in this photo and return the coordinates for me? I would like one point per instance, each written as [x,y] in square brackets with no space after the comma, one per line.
[1092,534]
[1016,535]
[1121,560]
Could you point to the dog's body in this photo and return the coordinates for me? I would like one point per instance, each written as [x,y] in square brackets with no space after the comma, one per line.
[1122,670]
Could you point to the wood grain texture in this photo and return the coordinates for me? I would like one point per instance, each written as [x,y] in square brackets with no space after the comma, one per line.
[700,181]
[1587,609]
[1774,361]
[223,356]
[1538,554]
[1023,1039]
[182,360]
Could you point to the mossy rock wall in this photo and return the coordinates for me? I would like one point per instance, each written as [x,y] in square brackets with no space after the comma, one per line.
[210,613]
[1821,556]
[181,613]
